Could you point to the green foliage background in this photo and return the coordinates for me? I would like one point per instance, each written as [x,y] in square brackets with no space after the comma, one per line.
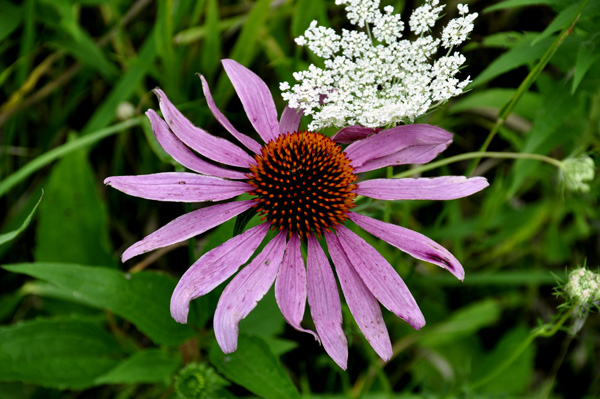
[75,79]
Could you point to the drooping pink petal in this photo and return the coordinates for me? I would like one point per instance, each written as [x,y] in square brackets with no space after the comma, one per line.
[411,242]
[290,286]
[178,187]
[407,144]
[256,99]
[362,303]
[215,148]
[350,134]
[245,290]
[249,142]
[187,226]
[182,154]
[438,188]
[290,120]
[325,306]
[380,278]
[214,267]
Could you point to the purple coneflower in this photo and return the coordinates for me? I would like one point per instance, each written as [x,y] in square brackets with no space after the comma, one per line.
[304,184]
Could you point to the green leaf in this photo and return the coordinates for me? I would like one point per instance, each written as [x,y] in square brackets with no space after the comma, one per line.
[519,3]
[514,379]
[142,298]
[496,98]
[254,367]
[587,55]
[61,353]
[125,86]
[6,237]
[148,366]
[244,48]
[85,50]
[61,151]
[518,56]
[463,322]
[211,50]
[73,224]
[10,18]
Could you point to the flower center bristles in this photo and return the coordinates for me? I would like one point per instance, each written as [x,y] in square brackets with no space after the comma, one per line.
[303,182]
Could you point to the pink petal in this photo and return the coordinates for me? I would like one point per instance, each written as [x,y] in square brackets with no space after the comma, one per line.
[245,290]
[214,267]
[362,303]
[407,144]
[256,99]
[182,154]
[325,306]
[178,187]
[187,226]
[290,120]
[290,286]
[350,134]
[438,188]
[249,142]
[411,242]
[215,148]
[380,278]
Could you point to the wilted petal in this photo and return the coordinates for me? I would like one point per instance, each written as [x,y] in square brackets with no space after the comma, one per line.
[187,226]
[360,300]
[411,242]
[214,267]
[407,144]
[380,278]
[437,188]
[182,154]
[249,142]
[290,286]
[350,134]
[256,99]
[245,290]
[215,148]
[325,306]
[290,120]
[178,187]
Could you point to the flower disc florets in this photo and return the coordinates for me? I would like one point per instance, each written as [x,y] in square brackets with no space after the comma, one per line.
[303,183]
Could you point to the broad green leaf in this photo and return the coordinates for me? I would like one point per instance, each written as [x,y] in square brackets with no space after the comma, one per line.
[515,378]
[10,18]
[463,322]
[305,11]
[563,18]
[496,98]
[152,365]
[6,237]
[73,224]
[142,298]
[61,353]
[518,56]
[254,367]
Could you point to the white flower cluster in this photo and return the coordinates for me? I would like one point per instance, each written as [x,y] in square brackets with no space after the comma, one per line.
[576,172]
[375,78]
[583,286]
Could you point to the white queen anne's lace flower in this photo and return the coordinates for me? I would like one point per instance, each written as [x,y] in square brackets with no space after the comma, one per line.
[375,77]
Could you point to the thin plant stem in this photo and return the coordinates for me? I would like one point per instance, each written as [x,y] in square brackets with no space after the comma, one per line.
[526,84]
[476,155]
[544,331]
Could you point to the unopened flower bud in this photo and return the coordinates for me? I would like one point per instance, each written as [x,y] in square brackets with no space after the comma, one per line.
[197,381]
[576,172]
[583,286]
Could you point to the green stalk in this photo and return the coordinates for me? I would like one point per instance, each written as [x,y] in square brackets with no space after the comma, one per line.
[59,152]
[526,84]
